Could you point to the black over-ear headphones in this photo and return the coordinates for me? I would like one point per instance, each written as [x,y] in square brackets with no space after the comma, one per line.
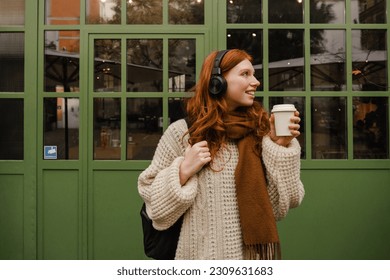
[218,84]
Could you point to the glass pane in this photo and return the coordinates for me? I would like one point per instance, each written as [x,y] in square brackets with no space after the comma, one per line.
[286,61]
[144,12]
[364,11]
[182,62]
[176,109]
[329,128]
[61,124]
[299,103]
[244,11]
[144,65]
[62,56]
[327,60]
[12,12]
[285,11]
[12,62]
[369,55]
[106,128]
[103,11]
[327,11]
[12,129]
[59,12]
[107,65]
[144,127]
[186,12]
[370,128]
[250,40]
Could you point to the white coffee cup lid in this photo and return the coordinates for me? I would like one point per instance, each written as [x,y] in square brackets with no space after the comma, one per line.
[283,108]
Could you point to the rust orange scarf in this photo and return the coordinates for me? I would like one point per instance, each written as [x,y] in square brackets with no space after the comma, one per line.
[257,220]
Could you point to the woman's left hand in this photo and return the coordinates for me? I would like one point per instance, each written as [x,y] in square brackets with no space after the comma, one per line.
[294,129]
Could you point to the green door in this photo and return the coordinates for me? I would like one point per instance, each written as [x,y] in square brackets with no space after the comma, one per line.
[89,204]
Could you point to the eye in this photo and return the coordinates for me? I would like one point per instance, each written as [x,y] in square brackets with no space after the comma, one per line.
[245,73]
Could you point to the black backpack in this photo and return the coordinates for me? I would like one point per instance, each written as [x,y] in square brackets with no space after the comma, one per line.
[160,244]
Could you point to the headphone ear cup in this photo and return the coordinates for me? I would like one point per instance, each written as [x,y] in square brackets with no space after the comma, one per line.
[218,85]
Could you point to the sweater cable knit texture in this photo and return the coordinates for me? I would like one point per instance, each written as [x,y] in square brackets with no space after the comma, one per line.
[211,225]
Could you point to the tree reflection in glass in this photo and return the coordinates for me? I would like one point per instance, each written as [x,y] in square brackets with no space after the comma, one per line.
[186,11]
[286,60]
[327,11]
[370,128]
[327,60]
[144,65]
[107,65]
[244,11]
[369,56]
[182,62]
[285,11]
[144,11]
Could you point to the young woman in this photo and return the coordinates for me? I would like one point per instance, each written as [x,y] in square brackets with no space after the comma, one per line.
[229,174]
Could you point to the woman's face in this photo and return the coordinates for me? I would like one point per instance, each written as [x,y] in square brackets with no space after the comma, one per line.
[241,85]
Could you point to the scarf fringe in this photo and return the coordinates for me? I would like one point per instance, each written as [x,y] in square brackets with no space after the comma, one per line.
[269,251]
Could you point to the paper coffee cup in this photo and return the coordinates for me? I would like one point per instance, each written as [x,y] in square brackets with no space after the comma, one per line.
[283,114]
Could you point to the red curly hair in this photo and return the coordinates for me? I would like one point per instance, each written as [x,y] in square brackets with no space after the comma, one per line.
[206,113]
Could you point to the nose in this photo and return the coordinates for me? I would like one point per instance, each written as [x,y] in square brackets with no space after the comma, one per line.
[255,82]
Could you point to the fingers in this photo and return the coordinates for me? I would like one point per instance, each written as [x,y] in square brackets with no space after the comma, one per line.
[200,151]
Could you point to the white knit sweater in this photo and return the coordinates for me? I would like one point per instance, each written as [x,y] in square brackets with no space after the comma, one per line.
[211,225]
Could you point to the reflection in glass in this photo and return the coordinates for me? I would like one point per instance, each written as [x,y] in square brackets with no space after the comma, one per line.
[59,12]
[363,11]
[12,12]
[285,11]
[299,103]
[144,127]
[369,56]
[186,12]
[327,60]
[250,40]
[103,11]
[11,62]
[62,56]
[182,62]
[329,128]
[286,61]
[176,109]
[107,64]
[327,11]
[61,122]
[244,11]
[370,128]
[12,129]
[144,65]
[106,128]
[144,12]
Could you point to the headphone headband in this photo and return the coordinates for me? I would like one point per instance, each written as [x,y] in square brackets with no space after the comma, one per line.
[217,61]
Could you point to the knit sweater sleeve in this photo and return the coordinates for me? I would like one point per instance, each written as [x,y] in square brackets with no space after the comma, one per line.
[159,185]
[283,175]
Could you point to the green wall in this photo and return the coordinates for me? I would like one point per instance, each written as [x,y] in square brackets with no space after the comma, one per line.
[345,215]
